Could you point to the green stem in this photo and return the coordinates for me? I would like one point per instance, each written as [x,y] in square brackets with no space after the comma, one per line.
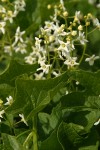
[35,145]
[32,136]
[54,58]
[10,126]
[91,31]
[82,54]
[35,138]
[26,143]
[48,57]
[22,133]
[83,50]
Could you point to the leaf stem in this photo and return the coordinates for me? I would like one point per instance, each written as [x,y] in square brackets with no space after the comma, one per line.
[23,133]
[35,138]
[83,50]
[91,31]
[26,143]
[82,54]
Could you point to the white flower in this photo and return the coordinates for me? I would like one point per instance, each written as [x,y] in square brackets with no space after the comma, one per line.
[91,1]
[18,35]
[56,74]
[41,60]
[2,25]
[71,61]
[30,59]
[23,119]
[43,31]
[54,18]
[9,16]
[98,5]
[36,52]
[77,16]
[49,25]
[19,6]
[97,122]
[1,102]
[21,47]
[37,43]
[92,59]
[39,76]
[63,46]
[66,93]
[62,3]
[45,68]
[8,49]
[1,113]
[9,100]
[59,30]
[77,82]
[2,9]
[81,38]
[96,23]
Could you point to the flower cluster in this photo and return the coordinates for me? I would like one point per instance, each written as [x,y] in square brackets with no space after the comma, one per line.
[55,47]
[8,14]
[8,11]
[7,104]
[2,106]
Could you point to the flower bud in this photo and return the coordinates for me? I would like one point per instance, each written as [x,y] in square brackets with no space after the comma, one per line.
[87,23]
[65,13]
[73,33]
[49,6]
[80,27]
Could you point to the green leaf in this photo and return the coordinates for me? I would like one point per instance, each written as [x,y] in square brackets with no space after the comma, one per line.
[14,70]
[50,121]
[92,142]
[69,136]
[79,109]
[73,136]
[80,101]
[74,99]
[90,80]
[10,143]
[33,95]
[92,147]
[5,91]
[93,102]
[51,142]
